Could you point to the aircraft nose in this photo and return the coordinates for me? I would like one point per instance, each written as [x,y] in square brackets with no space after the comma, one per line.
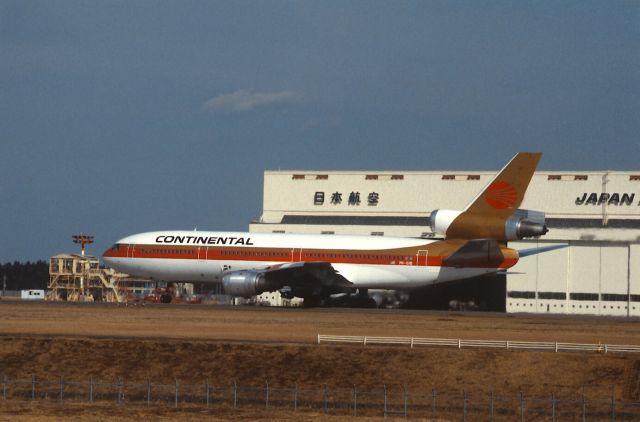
[110,253]
[106,258]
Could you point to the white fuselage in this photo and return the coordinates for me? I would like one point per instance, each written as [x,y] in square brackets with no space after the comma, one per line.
[366,261]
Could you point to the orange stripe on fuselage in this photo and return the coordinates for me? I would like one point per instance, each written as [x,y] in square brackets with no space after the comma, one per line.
[289,255]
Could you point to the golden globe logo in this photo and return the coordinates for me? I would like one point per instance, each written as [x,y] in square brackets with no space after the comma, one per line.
[501,195]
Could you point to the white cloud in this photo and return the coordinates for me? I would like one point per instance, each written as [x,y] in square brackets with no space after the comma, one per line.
[243,101]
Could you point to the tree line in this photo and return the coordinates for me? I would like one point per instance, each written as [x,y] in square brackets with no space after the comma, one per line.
[24,275]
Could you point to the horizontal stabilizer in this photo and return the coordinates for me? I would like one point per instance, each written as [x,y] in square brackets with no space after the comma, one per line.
[534,251]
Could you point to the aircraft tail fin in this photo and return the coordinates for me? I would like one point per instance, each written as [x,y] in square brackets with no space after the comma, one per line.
[486,216]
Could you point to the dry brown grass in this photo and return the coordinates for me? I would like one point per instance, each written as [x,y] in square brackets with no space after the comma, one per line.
[298,325]
[194,343]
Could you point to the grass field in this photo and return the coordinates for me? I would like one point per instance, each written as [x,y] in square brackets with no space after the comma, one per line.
[256,345]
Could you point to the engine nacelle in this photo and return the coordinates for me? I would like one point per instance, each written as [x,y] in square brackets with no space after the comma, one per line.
[244,283]
[441,219]
[521,224]
[525,223]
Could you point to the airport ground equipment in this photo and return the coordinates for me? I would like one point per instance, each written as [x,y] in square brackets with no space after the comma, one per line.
[79,278]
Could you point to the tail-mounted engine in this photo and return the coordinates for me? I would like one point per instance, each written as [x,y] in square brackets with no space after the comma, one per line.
[521,224]
[244,283]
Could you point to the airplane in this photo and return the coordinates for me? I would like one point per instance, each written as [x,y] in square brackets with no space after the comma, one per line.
[318,267]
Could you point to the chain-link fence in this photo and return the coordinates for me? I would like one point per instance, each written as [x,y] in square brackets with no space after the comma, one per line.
[396,401]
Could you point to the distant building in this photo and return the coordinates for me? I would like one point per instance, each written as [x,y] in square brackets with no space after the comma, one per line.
[596,213]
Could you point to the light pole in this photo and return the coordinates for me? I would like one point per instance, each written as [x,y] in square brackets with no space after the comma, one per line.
[82,239]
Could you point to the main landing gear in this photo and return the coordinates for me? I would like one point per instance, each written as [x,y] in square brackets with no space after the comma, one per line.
[358,300]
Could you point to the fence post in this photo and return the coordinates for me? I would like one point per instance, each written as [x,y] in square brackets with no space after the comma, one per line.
[613,402]
[266,400]
[464,406]
[207,385]
[61,389]
[235,394]
[433,404]
[325,399]
[385,399]
[148,392]
[491,405]
[404,389]
[176,405]
[355,401]
[295,398]
[33,387]
[318,338]
[91,389]
[119,390]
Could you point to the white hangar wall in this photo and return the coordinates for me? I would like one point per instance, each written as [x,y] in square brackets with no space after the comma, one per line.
[587,277]
[596,213]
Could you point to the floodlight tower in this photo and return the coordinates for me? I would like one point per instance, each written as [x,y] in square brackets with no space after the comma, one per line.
[82,239]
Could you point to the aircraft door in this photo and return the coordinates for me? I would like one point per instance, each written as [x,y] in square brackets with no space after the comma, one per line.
[130,251]
[296,255]
[421,258]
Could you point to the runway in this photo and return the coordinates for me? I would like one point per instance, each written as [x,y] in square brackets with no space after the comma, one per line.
[298,326]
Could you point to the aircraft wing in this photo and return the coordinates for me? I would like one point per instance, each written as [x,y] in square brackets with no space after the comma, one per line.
[306,274]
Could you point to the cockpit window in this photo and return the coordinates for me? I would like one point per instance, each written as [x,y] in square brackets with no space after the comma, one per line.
[115,247]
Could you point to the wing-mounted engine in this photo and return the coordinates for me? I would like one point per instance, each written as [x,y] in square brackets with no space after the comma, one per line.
[521,224]
[245,283]
[306,277]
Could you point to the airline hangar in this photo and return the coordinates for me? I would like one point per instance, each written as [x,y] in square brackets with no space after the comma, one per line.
[596,213]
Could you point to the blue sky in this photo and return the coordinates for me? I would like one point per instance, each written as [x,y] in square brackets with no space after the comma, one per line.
[119,117]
